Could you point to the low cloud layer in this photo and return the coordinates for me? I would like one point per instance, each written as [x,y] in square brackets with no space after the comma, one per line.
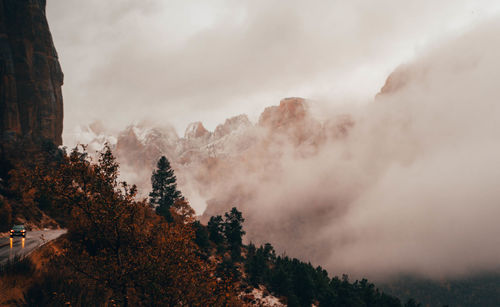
[414,188]
[172,61]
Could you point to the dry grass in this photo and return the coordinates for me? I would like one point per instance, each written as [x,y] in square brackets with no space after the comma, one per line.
[12,290]
[41,256]
[15,277]
[18,275]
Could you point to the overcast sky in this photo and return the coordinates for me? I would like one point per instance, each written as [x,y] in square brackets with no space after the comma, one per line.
[180,61]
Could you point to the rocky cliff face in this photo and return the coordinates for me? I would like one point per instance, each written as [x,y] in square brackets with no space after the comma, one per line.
[288,113]
[31,102]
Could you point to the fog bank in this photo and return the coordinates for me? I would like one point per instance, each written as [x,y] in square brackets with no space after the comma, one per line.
[411,189]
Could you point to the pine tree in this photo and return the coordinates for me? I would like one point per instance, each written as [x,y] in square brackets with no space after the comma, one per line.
[201,236]
[164,192]
[233,231]
[215,229]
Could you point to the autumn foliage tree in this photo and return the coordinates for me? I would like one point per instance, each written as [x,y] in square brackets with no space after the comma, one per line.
[24,189]
[117,246]
[5,214]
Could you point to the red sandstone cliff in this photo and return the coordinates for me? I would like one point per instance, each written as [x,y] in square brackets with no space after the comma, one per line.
[31,104]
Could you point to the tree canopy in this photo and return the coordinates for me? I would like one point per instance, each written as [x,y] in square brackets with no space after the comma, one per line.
[118,251]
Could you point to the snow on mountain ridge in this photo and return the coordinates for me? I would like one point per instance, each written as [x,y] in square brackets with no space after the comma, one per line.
[231,125]
[94,135]
[204,160]
[196,130]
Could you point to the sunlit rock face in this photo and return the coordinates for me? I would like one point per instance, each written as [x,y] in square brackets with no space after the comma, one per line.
[31,101]
[289,111]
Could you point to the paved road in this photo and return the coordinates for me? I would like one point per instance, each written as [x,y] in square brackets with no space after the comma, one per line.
[17,246]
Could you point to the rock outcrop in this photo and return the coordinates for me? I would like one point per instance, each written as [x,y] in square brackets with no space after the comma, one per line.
[196,130]
[232,124]
[399,78]
[289,111]
[31,104]
[293,119]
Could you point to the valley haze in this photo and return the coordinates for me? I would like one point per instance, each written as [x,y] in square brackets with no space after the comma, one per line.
[400,182]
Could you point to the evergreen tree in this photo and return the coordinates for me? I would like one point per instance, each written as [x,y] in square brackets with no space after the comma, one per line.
[215,229]
[164,192]
[201,236]
[233,232]
[258,262]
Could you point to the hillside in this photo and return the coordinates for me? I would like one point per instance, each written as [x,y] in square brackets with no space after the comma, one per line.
[119,250]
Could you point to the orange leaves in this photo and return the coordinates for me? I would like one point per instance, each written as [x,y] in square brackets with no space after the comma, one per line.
[118,245]
[117,248]
[182,212]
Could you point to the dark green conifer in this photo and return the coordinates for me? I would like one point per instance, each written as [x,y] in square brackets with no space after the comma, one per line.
[233,231]
[164,189]
[215,229]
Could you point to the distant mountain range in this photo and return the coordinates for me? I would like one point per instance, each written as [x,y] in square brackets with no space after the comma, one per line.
[197,156]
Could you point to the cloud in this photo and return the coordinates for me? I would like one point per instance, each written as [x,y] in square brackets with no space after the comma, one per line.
[181,61]
[413,189]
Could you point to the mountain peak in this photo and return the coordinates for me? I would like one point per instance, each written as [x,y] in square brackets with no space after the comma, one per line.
[396,80]
[290,110]
[195,130]
[231,124]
